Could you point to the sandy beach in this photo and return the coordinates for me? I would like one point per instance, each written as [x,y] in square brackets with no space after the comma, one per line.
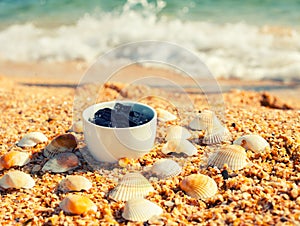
[266,192]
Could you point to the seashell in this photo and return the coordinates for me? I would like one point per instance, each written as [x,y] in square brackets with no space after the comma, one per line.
[197,124]
[77,204]
[164,115]
[13,158]
[178,133]
[232,155]
[253,142]
[199,186]
[62,162]
[77,127]
[32,139]
[216,135]
[62,143]
[75,183]
[16,179]
[179,146]
[140,210]
[132,185]
[165,168]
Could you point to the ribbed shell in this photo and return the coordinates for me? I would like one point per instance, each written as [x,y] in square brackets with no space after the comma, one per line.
[16,179]
[14,158]
[77,204]
[164,115]
[132,185]
[62,162]
[232,155]
[197,124]
[253,142]
[75,183]
[165,168]
[179,146]
[199,186]
[62,143]
[141,210]
[32,139]
[177,132]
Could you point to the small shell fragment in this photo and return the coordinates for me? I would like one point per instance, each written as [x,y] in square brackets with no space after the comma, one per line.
[253,142]
[77,204]
[16,179]
[164,115]
[62,143]
[199,186]
[77,127]
[165,168]
[62,162]
[141,210]
[75,183]
[32,139]
[197,124]
[14,158]
[232,155]
[179,146]
[132,185]
[178,133]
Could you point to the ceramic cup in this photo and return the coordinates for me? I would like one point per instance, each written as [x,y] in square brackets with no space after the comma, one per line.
[108,144]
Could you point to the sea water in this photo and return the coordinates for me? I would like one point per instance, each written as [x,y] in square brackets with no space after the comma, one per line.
[253,39]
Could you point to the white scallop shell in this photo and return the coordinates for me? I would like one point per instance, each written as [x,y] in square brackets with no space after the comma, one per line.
[77,204]
[165,168]
[32,139]
[141,210]
[62,162]
[197,124]
[177,132]
[75,183]
[164,115]
[62,143]
[179,146]
[16,179]
[253,142]
[216,135]
[14,158]
[132,185]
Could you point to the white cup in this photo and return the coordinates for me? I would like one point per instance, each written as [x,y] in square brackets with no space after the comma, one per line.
[107,144]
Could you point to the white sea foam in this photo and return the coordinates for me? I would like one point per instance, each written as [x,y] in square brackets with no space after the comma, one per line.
[231,50]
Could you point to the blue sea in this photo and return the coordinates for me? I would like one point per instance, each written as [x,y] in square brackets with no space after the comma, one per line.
[253,39]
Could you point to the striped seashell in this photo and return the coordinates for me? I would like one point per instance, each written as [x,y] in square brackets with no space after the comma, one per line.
[178,133]
[197,124]
[164,115]
[14,158]
[253,142]
[179,146]
[77,204]
[75,183]
[199,186]
[141,210]
[16,179]
[232,155]
[165,168]
[62,143]
[62,162]
[32,139]
[132,185]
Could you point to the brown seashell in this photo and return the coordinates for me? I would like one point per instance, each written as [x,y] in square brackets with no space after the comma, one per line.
[199,186]
[77,204]
[62,162]
[32,139]
[16,179]
[75,183]
[253,142]
[13,158]
[62,143]
[232,155]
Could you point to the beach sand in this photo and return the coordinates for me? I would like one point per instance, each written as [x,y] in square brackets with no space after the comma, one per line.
[40,98]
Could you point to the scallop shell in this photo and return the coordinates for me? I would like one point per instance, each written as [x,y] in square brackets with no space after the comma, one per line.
[253,142]
[32,139]
[77,204]
[179,146]
[177,132]
[165,168]
[62,143]
[75,183]
[164,115]
[199,186]
[132,185]
[140,210]
[62,162]
[197,124]
[232,155]
[16,179]
[14,158]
